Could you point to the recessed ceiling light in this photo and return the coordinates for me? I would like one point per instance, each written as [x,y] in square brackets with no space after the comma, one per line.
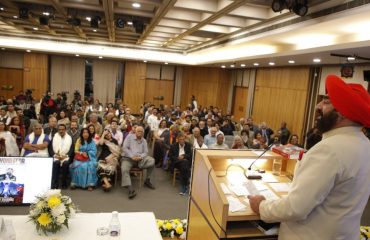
[351,58]
[166,63]
[35,28]
[316,60]
[223,66]
[88,19]
[77,55]
[242,65]
[145,61]
[136,5]
[100,57]
[15,16]
[46,13]
[94,30]
[1,9]
[129,23]
[232,65]
[271,63]
[256,64]
[291,61]
[28,50]
[2,48]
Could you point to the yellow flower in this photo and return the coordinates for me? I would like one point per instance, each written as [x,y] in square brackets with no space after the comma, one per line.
[168,226]
[179,230]
[159,223]
[176,221]
[44,219]
[53,201]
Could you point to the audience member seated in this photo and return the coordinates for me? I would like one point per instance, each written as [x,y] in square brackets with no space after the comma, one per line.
[51,127]
[227,127]
[259,142]
[36,144]
[294,140]
[94,135]
[284,133]
[83,168]
[200,143]
[238,143]
[74,132]
[3,117]
[194,137]
[180,156]
[116,132]
[251,125]
[219,144]
[161,143]
[246,139]
[17,128]
[203,129]
[11,112]
[135,150]
[108,159]
[9,146]
[210,138]
[63,118]
[266,132]
[94,121]
[61,150]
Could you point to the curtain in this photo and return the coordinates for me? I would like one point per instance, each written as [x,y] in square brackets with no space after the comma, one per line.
[67,74]
[105,75]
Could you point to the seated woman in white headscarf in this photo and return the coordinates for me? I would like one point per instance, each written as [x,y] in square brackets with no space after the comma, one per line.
[108,159]
[8,144]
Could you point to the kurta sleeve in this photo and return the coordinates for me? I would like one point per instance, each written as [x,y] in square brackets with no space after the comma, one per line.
[313,180]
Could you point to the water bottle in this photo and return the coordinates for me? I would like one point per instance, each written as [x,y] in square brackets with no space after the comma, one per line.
[114,225]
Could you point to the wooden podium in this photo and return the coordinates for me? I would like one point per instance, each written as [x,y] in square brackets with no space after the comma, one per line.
[209,216]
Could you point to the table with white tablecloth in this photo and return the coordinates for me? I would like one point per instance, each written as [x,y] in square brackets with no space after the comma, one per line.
[134,226]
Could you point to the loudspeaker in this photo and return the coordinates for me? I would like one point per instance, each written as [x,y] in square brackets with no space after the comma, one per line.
[95,22]
[23,13]
[367,75]
[139,26]
[44,20]
[120,23]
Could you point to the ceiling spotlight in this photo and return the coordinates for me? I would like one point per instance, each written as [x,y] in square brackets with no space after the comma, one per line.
[256,64]
[351,58]
[23,13]
[300,9]
[15,16]
[74,21]
[95,21]
[139,26]
[271,63]
[278,5]
[145,61]
[100,57]
[28,50]
[242,65]
[291,61]
[35,28]
[1,9]
[316,60]
[223,66]
[120,23]
[77,55]
[232,65]
[129,22]
[44,20]
[136,5]
[46,13]
[88,19]
[94,30]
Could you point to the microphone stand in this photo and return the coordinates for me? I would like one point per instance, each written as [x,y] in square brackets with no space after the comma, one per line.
[256,176]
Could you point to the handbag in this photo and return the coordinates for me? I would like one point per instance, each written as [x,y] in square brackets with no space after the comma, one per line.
[81,158]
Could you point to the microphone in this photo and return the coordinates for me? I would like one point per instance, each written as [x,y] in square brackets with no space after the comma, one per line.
[254,176]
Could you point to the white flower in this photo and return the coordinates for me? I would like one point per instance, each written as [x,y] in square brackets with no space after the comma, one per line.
[52,192]
[41,204]
[183,235]
[72,211]
[172,234]
[34,212]
[58,210]
[61,219]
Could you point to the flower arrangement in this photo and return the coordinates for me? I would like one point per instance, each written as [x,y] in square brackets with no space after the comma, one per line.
[365,233]
[51,211]
[172,228]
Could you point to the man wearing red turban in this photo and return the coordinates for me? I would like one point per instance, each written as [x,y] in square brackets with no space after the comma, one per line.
[331,183]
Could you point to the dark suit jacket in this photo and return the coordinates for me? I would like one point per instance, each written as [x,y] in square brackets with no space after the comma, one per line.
[174,153]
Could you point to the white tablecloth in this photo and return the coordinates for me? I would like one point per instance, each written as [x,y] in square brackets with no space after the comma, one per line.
[134,226]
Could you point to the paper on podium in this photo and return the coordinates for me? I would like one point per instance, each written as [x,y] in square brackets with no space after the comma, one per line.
[240,190]
[259,185]
[269,195]
[269,178]
[225,189]
[235,205]
[280,187]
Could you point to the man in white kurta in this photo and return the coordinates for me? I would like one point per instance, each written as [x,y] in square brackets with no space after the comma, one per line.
[331,183]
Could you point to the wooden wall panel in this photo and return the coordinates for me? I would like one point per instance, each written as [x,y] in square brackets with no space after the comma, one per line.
[155,88]
[134,85]
[280,95]
[36,73]
[210,86]
[240,102]
[11,82]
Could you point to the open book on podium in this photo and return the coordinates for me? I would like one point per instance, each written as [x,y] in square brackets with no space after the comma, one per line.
[218,206]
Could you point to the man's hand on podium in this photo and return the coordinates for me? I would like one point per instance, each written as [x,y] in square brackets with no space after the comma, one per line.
[255,201]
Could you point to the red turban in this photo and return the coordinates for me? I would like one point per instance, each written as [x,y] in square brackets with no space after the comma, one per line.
[351,100]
